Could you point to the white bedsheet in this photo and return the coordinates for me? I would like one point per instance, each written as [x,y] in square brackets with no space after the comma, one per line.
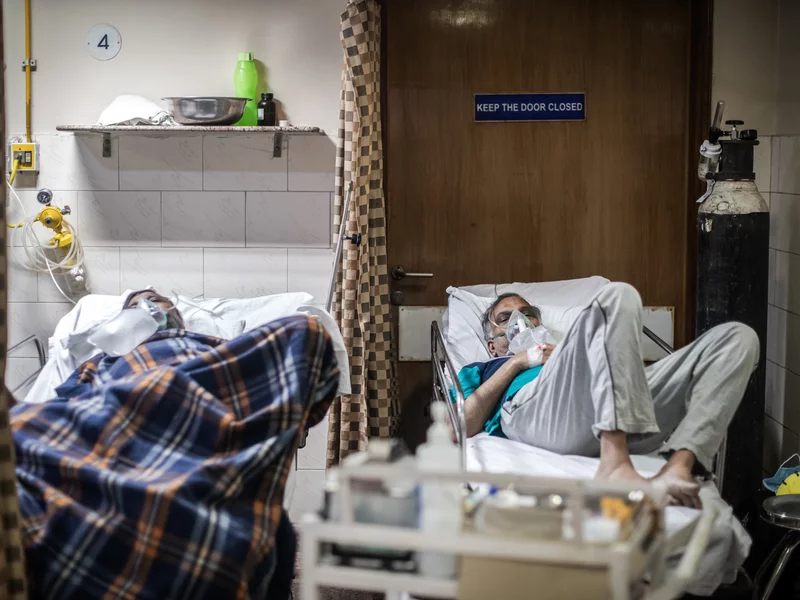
[730,543]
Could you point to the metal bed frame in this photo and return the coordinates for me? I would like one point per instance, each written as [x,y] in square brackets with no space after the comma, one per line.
[42,355]
[445,378]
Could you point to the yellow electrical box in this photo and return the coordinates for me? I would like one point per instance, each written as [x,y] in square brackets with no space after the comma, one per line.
[27,153]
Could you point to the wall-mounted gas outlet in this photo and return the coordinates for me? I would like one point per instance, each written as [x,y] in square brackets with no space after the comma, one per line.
[27,153]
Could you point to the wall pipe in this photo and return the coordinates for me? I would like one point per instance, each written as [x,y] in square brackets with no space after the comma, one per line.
[28,70]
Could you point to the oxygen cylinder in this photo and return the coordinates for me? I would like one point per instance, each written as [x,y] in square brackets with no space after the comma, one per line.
[732,284]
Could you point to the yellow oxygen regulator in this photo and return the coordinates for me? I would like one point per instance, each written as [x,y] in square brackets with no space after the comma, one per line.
[52,217]
[63,255]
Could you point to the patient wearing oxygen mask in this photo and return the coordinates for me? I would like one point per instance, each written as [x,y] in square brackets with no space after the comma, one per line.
[129,328]
[591,394]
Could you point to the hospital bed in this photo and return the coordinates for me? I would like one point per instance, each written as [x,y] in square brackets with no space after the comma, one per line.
[460,342]
[225,318]
[222,317]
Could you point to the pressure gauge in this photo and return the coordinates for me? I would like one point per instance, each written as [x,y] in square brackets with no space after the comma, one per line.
[44,196]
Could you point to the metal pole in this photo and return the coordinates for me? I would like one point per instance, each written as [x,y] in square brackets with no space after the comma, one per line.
[337,259]
[658,341]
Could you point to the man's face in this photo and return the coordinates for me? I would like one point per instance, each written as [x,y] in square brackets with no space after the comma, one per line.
[498,345]
[174,318]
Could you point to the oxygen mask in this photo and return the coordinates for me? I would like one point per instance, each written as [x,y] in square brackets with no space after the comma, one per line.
[523,335]
[129,328]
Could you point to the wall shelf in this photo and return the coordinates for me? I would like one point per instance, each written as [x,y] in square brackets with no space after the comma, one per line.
[185,129]
[107,130]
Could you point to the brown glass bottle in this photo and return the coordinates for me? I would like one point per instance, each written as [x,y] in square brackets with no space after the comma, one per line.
[266,111]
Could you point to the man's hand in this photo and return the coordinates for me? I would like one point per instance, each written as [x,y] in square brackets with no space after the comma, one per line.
[548,350]
[519,362]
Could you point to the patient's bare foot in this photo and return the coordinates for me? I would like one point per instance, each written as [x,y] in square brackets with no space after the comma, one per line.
[615,461]
[622,471]
[681,486]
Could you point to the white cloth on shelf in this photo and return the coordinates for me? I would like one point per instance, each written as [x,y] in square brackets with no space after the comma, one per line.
[135,110]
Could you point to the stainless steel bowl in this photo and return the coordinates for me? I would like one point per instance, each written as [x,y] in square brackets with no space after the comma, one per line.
[206,110]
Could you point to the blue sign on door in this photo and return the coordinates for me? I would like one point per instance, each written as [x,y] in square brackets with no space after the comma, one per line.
[530,107]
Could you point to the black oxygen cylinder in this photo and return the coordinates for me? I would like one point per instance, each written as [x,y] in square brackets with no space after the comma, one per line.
[732,285]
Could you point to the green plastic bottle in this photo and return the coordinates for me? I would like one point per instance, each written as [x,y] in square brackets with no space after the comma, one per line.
[245,80]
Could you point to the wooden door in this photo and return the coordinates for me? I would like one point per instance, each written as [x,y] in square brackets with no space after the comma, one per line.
[499,202]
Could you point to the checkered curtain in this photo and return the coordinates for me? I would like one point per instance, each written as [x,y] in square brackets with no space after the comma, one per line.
[12,558]
[361,305]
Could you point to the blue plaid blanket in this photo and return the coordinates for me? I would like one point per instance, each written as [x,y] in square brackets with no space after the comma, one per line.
[160,474]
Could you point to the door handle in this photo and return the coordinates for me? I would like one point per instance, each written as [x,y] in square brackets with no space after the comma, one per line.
[399,273]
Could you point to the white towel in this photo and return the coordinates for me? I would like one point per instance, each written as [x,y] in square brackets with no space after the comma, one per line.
[135,110]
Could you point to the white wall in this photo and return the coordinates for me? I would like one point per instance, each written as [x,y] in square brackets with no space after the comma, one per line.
[782,427]
[788,74]
[756,53]
[173,48]
[204,214]
[745,67]
[745,71]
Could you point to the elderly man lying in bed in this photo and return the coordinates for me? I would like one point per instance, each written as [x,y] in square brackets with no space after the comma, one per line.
[160,473]
[591,394]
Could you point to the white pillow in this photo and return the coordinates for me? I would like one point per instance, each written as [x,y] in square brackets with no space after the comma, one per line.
[251,311]
[463,334]
[77,325]
[233,316]
[568,292]
[559,301]
[95,309]
[558,319]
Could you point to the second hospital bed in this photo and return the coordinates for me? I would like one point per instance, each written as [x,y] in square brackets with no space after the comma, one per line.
[226,318]
[460,342]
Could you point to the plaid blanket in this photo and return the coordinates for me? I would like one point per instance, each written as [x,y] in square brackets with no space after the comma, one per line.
[160,474]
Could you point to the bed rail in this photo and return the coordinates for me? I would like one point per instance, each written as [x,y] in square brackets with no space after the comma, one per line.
[658,341]
[442,370]
[42,355]
[337,255]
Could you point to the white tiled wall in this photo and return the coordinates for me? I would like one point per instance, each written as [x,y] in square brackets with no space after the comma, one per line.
[212,215]
[245,163]
[756,76]
[161,163]
[782,431]
[745,55]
